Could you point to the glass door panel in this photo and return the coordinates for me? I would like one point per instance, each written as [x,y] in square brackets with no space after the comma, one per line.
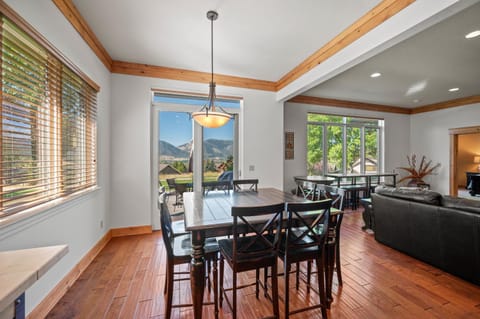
[218,152]
[174,147]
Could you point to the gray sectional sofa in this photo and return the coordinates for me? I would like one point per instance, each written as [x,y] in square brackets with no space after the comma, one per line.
[441,230]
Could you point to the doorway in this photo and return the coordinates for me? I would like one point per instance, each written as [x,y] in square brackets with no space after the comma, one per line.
[462,152]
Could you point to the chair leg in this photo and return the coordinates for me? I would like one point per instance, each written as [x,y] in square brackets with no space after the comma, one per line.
[321,285]
[297,275]
[234,295]
[286,272]
[257,279]
[276,311]
[265,280]
[209,269]
[338,265]
[215,286]
[166,281]
[309,274]
[222,266]
[169,296]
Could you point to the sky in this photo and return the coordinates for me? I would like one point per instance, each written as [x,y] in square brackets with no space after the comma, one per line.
[176,129]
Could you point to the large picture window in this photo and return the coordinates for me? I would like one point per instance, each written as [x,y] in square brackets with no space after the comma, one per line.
[48,125]
[338,144]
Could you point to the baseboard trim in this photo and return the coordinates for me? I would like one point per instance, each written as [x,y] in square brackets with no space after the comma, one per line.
[47,304]
[54,296]
[129,231]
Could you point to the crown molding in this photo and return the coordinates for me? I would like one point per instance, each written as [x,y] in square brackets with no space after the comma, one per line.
[78,22]
[447,104]
[348,104]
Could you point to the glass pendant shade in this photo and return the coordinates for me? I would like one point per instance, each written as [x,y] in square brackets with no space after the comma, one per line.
[208,116]
[211,119]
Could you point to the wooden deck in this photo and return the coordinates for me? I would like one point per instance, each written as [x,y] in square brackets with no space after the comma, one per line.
[126,281]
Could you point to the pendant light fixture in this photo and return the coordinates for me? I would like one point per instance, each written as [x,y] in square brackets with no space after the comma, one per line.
[208,116]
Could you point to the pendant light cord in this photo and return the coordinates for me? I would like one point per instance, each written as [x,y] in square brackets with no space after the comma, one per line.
[211,44]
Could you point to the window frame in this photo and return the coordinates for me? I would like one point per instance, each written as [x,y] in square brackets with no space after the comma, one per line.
[197,137]
[344,125]
[63,64]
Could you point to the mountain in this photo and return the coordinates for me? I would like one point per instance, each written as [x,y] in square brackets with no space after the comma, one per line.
[218,148]
[213,148]
[166,149]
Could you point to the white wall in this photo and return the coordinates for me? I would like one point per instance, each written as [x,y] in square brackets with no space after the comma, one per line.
[261,143]
[397,136]
[429,136]
[76,223]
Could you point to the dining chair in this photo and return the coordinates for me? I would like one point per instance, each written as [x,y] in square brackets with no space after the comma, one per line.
[245,184]
[305,239]
[258,249]
[336,216]
[179,252]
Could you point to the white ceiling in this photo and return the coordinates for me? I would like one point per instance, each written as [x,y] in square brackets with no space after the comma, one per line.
[254,39]
[267,39]
[418,71]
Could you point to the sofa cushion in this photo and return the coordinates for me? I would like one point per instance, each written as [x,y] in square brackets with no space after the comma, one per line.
[465,204]
[413,194]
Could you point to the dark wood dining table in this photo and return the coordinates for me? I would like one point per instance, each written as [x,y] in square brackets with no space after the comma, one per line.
[210,216]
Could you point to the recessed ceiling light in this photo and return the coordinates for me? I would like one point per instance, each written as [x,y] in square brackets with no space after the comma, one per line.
[473,34]
[375,75]
[453,90]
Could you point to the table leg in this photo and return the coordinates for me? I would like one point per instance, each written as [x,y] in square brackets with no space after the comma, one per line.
[330,264]
[197,273]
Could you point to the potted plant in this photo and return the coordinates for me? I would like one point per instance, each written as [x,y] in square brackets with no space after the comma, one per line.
[415,175]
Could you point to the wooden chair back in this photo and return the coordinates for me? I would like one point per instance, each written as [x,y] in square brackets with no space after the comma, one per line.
[336,194]
[260,227]
[307,225]
[245,184]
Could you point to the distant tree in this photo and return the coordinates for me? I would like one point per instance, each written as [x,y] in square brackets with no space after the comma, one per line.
[179,166]
[229,163]
[210,166]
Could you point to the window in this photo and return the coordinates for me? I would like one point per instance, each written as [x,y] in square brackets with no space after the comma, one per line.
[48,124]
[176,140]
[338,144]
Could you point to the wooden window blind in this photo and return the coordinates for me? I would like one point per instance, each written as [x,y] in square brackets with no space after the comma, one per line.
[48,125]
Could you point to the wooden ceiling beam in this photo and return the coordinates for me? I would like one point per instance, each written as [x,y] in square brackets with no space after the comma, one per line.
[191,76]
[370,20]
[78,22]
[367,22]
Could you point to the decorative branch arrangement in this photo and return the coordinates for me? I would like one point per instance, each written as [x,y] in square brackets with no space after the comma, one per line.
[416,176]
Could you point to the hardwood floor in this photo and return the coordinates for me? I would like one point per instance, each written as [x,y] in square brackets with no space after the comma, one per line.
[126,281]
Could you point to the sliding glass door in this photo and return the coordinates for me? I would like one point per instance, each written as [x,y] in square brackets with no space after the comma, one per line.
[184,151]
